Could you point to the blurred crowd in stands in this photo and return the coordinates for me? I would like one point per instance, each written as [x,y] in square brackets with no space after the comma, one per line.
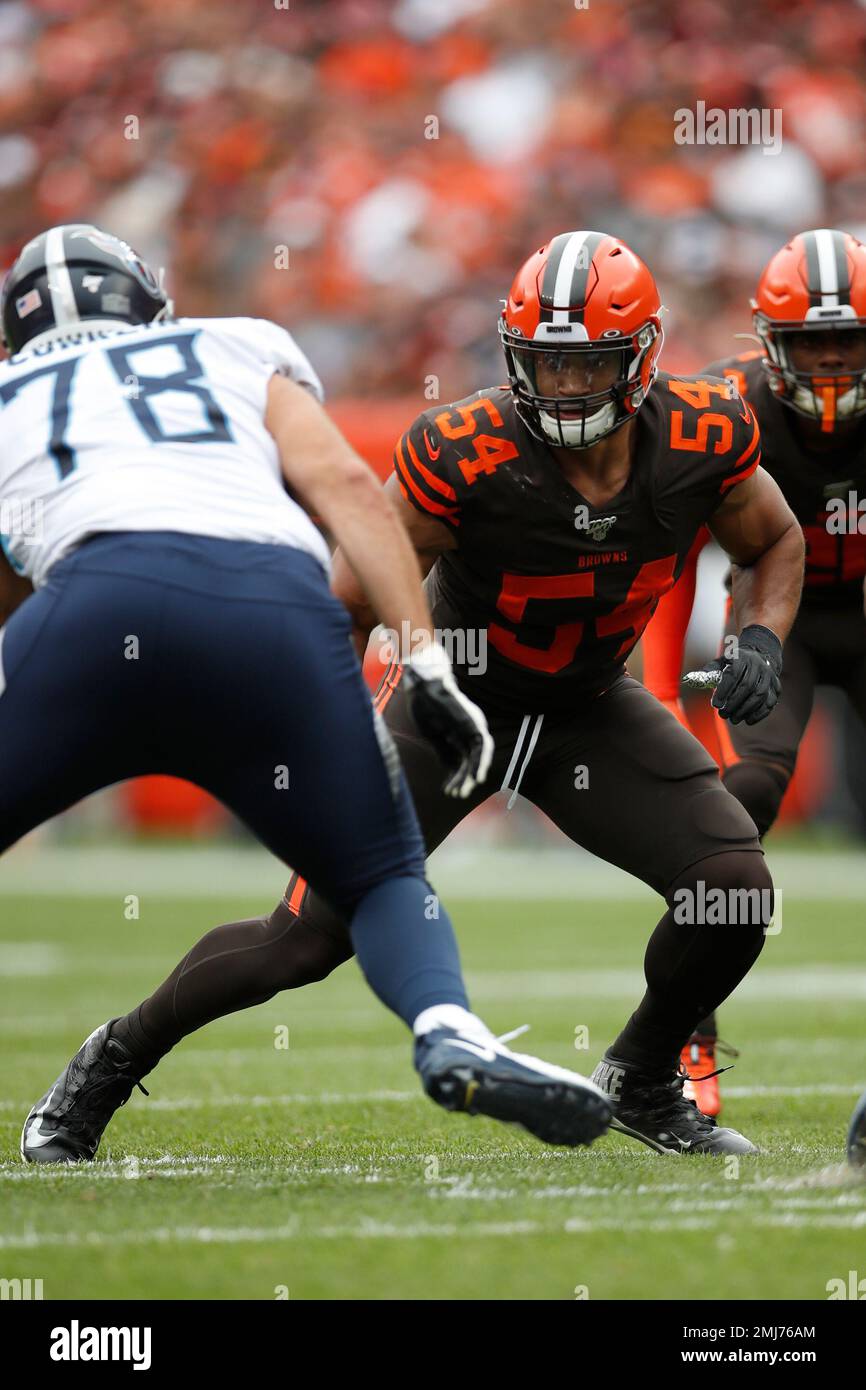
[371,172]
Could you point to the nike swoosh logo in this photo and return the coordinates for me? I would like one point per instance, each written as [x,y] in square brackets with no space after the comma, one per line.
[485,1053]
[433,454]
[35,1138]
[683,1143]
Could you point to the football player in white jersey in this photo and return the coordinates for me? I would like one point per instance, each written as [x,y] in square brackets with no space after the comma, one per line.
[181,623]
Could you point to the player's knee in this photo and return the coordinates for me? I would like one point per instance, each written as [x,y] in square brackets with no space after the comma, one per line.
[732,889]
[297,950]
[759,787]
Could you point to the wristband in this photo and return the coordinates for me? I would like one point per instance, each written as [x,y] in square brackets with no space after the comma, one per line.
[763,640]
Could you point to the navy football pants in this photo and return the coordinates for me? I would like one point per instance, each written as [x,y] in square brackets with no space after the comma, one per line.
[223,662]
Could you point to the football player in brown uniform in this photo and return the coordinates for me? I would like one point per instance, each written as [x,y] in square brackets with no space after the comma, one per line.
[551,514]
[807,387]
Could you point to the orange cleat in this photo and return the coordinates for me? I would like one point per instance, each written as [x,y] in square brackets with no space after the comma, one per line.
[698,1061]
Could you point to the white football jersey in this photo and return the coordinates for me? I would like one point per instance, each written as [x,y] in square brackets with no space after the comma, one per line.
[154,428]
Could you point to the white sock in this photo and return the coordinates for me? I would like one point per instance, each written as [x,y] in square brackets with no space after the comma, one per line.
[450,1016]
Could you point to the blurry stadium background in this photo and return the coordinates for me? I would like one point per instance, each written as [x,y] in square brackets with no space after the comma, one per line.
[370,174]
[277,160]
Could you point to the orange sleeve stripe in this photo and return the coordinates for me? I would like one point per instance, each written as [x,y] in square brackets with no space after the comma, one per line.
[388,686]
[430,478]
[751,444]
[383,682]
[426,503]
[300,888]
[740,477]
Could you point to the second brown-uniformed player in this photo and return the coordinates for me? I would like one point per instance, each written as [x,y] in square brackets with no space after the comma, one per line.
[551,515]
[807,386]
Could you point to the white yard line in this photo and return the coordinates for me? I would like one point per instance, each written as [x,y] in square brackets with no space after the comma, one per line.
[767,984]
[691,1195]
[817,1089]
[263,1102]
[30,959]
[377,1230]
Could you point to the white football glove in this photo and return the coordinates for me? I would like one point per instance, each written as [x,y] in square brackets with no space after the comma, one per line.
[455,726]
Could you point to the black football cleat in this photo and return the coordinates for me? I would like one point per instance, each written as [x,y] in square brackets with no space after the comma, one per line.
[481,1077]
[857,1135]
[654,1110]
[67,1124]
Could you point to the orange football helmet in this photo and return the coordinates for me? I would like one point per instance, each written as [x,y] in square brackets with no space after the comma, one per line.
[582,299]
[815,284]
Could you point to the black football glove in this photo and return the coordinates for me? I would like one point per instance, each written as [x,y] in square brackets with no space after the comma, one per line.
[749,686]
[450,721]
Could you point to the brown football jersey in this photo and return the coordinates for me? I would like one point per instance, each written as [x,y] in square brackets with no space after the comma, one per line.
[835,564]
[547,593]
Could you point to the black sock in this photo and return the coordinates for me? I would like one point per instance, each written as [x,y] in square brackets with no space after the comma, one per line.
[691,967]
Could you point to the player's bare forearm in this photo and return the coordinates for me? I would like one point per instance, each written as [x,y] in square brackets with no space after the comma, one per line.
[768,591]
[764,540]
[335,484]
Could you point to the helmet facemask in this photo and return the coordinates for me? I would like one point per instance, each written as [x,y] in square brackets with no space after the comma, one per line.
[613,374]
[830,397]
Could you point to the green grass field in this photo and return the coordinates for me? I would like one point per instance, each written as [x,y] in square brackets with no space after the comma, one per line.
[320,1170]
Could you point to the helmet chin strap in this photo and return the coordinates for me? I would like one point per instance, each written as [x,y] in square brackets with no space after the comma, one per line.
[577,434]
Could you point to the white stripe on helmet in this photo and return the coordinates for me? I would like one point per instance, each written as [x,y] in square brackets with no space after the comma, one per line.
[564,272]
[827,277]
[59,280]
